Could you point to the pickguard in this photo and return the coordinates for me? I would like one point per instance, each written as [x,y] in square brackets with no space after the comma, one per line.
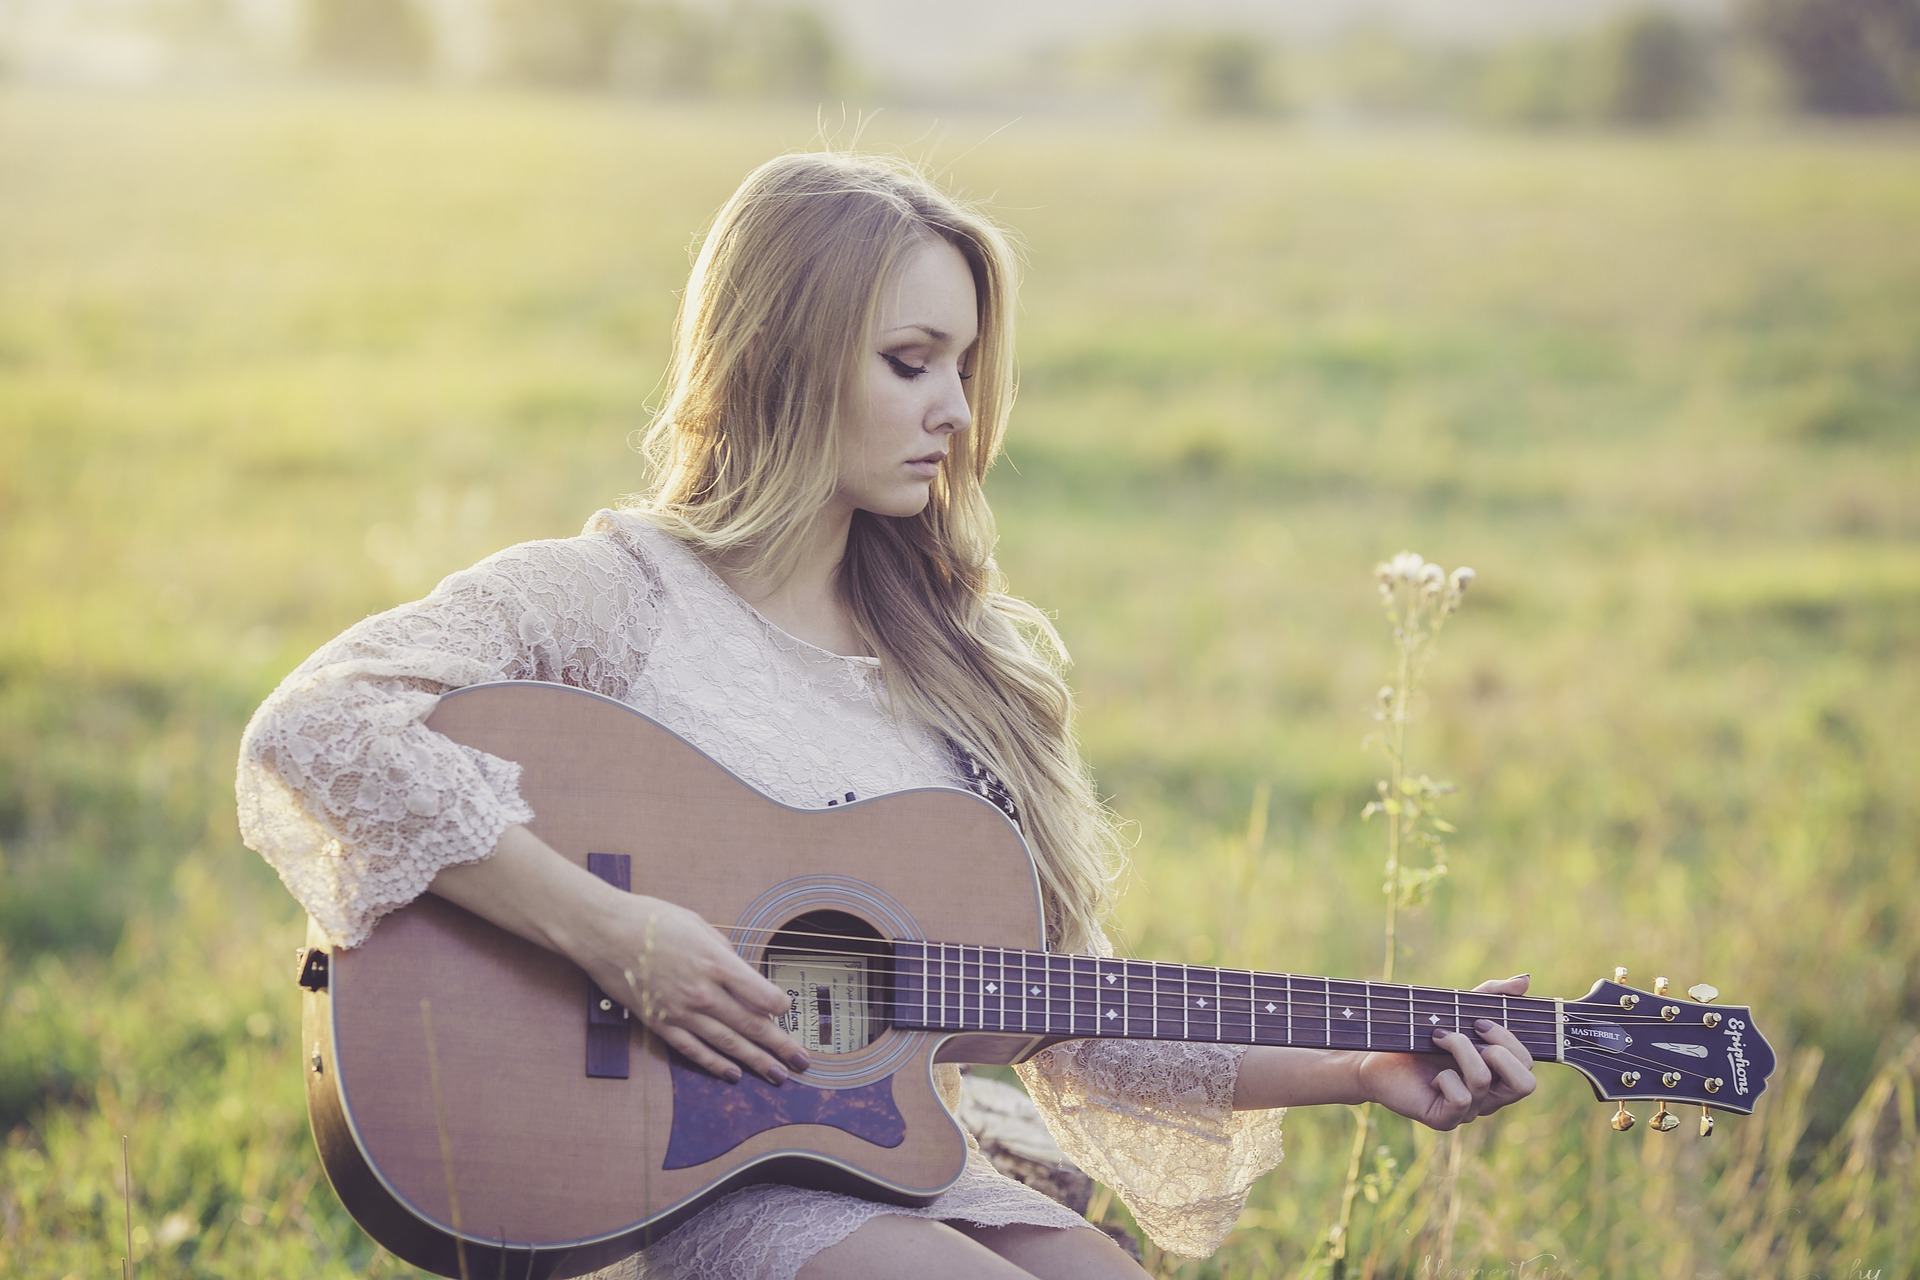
[712,1116]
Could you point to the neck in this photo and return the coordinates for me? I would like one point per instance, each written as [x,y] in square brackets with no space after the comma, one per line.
[808,590]
[963,987]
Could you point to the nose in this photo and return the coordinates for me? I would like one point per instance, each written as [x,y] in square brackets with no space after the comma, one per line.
[952,414]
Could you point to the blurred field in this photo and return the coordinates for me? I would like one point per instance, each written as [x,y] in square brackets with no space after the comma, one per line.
[268,364]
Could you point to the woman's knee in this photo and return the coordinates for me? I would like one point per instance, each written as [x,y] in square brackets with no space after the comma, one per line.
[1054,1253]
[890,1245]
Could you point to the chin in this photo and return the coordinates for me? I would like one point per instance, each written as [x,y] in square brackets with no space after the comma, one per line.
[908,502]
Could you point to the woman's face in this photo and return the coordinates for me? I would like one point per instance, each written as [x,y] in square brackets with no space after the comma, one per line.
[914,383]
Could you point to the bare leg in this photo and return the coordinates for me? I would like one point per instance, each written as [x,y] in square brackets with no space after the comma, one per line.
[1051,1253]
[894,1245]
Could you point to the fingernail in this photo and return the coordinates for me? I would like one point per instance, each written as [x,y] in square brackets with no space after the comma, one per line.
[1516,977]
[733,1075]
[1485,1024]
[1439,1033]
[777,1073]
[799,1060]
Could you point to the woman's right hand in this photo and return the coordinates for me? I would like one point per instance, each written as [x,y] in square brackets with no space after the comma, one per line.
[677,974]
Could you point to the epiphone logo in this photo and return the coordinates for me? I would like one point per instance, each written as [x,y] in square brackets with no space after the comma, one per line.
[1738,1054]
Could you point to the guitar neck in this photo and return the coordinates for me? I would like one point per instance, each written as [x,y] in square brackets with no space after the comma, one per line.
[950,986]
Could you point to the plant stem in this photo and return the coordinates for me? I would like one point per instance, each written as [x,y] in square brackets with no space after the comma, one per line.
[1339,1252]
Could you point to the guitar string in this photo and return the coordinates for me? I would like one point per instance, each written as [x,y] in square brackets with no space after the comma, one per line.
[1612,1057]
[1622,1057]
[877,1005]
[1530,1014]
[1542,1024]
[1528,1021]
[882,995]
[1601,1010]
[1378,1013]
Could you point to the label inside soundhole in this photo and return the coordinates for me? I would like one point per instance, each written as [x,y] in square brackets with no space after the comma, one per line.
[826,1001]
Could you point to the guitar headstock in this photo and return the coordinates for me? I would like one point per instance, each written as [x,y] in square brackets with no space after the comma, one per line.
[1630,1043]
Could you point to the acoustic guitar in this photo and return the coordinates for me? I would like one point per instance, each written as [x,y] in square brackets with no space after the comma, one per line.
[481,1109]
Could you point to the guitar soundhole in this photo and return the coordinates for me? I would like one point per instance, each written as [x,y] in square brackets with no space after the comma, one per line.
[837,972]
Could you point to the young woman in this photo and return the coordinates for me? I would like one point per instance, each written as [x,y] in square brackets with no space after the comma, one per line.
[807,592]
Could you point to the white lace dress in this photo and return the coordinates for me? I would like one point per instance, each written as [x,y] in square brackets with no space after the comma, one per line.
[357,805]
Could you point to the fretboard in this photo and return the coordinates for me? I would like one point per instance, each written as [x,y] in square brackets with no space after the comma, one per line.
[961,987]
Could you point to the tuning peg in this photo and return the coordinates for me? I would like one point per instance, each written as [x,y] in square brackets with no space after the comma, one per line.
[1702,992]
[1706,1120]
[1659,986]
[1619,973]
[1623,1119]
[1663,1120]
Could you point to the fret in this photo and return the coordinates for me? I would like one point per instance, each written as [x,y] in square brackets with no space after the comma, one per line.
[1321,1018]
[1059,997]
[956,992]
[1186,995]
[1137,979]
[1346,1014]
[1479,1004]
[1153,986]
[1040,987]
[1430,1010]
[1082,978]
[1412,1030]
[1270,1012]
[1110,998]
[1236,1007]
[1016,989]
[997,987]
[973,982]
[1034,993]
[1064,999]
[936,984]
[1208,1001]
[1166,1002]
[1387,1001]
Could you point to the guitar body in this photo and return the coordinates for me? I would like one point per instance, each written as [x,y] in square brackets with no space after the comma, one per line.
[448,1078]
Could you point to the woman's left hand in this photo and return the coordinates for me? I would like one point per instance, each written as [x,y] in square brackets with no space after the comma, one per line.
[1482,1076]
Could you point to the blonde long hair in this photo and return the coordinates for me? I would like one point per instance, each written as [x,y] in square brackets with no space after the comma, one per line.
[768,348]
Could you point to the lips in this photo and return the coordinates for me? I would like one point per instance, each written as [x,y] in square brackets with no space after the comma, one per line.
[932,457]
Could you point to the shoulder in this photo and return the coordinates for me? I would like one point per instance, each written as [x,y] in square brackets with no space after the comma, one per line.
[614,555]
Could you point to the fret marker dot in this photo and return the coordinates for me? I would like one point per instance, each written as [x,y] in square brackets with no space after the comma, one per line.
[1111,1015]
[1433,1018]
[1270,1006]
[992,987]
[1346,1013]
[1112,978]
[1202,1002]
[1033,991]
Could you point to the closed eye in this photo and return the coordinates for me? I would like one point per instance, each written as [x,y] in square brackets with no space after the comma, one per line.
[912,371]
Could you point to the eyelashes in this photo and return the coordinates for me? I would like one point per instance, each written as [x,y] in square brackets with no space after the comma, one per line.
[911,371]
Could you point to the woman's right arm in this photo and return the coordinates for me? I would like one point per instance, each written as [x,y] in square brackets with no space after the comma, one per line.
[698,995]
[360,807]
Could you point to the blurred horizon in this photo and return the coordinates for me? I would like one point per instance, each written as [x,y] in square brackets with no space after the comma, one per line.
[1635,63]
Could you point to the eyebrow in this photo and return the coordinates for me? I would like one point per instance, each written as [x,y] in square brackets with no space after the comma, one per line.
[938,335]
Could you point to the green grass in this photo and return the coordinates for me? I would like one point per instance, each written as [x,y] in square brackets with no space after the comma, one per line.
[269,364]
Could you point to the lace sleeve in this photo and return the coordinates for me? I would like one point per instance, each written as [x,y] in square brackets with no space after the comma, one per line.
[351,798]
[1154,1120]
